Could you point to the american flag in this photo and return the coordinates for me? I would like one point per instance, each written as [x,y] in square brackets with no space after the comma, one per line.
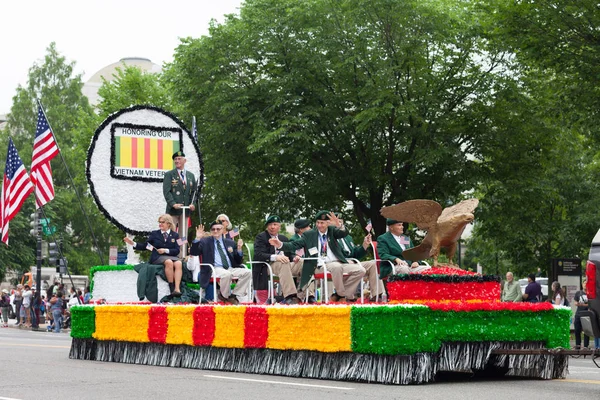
[404,240]
[369,226]
[16,186]
[234,233]
[194,129]
[44,150]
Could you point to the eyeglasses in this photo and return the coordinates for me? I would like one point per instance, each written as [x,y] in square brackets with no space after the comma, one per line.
[215,229]
[162,222]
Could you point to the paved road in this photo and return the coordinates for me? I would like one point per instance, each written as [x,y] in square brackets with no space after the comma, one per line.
[35,365]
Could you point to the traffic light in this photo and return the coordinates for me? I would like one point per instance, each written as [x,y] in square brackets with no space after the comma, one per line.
[52,253]
[35,227]
[62,266]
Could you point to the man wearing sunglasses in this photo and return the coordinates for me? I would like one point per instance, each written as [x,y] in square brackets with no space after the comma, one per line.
[226,257]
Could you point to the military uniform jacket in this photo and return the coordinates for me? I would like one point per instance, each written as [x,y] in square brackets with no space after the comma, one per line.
[176,193]
[350,249]
[263,252]
[157,241]
[389,249]
[310,240]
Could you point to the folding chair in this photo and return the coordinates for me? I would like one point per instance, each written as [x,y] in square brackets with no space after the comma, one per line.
[378,261]
[325,276]
[271,288]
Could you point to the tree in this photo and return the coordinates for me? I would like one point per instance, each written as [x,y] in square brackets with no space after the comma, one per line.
[324,104]
[73,122]
[131,86]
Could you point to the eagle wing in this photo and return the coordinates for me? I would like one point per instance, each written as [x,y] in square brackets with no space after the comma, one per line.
[464,207]
[424,213]
[417,253]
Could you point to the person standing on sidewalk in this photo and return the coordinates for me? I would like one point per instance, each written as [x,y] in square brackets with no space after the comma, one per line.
[5,307]
[56,307]
[17,301]
[581,301]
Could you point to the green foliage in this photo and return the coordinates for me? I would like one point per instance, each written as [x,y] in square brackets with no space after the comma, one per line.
[328,103]
[73,123]
[131,86]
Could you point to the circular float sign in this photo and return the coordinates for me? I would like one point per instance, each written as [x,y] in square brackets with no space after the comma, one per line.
[127,159]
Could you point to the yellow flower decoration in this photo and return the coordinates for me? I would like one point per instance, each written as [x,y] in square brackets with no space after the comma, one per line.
[122,323]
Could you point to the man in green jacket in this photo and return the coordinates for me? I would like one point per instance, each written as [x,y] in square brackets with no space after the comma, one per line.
[179,190]
[322,243]
[359,252]
[390,246]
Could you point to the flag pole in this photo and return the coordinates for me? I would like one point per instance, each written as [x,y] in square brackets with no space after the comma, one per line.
[195,136]
[100,256]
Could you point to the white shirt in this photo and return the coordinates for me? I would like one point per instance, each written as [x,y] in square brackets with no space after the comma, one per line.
[330,256]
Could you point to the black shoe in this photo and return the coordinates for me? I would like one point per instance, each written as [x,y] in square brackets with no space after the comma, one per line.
[291,299]
[233,300]
[171,287]
[336,298]
[176,293]
[311,300]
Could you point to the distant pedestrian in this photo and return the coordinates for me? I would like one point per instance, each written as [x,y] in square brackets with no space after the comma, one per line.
[18,301]
[511,290]
[533,291]
[5,307]
[558,294]
[56,307]
[581,301]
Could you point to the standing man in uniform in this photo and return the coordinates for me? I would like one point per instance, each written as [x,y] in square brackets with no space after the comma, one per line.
[179,189]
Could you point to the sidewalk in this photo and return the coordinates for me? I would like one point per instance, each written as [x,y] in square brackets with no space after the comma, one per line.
[12,323]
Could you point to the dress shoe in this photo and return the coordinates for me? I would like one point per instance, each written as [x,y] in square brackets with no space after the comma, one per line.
[290,300]
[176,293]
[311,300]
[335,298]
[233,300]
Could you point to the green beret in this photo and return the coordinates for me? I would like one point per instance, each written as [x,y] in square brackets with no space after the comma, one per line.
[390,221]
[272,218]
[178,154]
[301,223]
[322,215]
[217,222]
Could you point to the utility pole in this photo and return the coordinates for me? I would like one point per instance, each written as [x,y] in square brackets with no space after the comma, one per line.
[37,232]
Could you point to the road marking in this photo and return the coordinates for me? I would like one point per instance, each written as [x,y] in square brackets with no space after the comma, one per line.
[278,383]
[581,381]
[7,398]
[34,345]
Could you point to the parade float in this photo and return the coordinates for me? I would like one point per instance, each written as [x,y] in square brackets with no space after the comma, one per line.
[445,320]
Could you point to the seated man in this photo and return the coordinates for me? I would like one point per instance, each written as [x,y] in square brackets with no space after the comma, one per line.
[300,226]
[164,247]
[390,246]
[220,252]
[359,252]
[322,243]
[281,263]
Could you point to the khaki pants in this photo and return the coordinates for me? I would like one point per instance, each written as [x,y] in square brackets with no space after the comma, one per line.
[375,284]
[244,276]
[337,270]
[286,273]
[401,269]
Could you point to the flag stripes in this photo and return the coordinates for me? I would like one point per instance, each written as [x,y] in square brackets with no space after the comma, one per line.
[16,186]
[44,150]
[145,153]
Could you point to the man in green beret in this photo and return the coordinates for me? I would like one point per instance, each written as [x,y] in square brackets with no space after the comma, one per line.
[300,226]
[390,246]
[179,189]
[285,265]
[321,242]
[359,252]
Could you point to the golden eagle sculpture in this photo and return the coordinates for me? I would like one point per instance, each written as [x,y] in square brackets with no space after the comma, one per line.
[444,228]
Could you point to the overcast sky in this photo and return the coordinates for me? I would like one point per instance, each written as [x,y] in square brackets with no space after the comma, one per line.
[96,33]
